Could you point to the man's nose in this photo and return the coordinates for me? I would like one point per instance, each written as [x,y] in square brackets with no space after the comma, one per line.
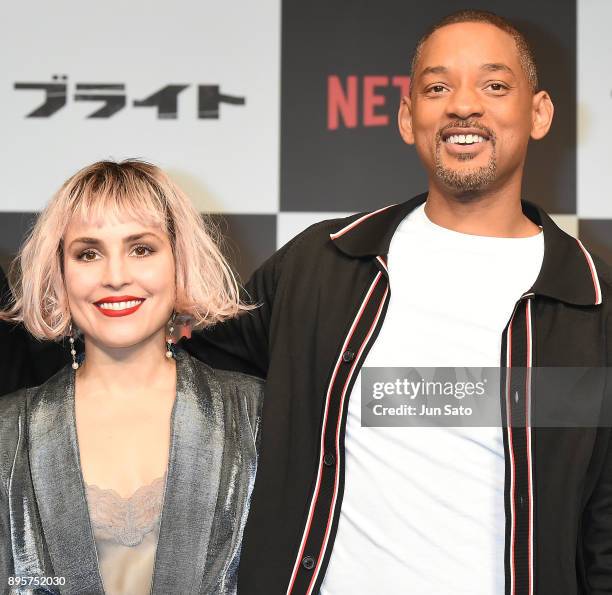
[464,102]
[116,272]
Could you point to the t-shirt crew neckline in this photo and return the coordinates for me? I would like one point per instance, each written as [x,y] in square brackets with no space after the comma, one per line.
[450,235]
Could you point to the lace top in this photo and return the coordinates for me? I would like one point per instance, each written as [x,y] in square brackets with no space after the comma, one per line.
[126,531]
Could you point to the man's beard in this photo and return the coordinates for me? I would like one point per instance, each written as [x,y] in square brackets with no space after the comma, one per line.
[468,180]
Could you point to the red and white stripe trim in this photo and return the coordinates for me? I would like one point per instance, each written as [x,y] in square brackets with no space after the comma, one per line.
[323,430]
[338,453]
[383,263]
[355,223]
[594,275]
[512,464]
[509,431]
[528,436]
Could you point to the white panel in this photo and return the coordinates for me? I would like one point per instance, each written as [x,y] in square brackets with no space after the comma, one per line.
[568,223]
[594,43]
[290,224]
[228,165]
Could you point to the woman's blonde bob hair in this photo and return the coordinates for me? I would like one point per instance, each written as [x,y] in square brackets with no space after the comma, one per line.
[206,289]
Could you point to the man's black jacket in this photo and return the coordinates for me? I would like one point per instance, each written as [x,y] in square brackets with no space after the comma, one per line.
[324,297]
[25,361]
[323,300]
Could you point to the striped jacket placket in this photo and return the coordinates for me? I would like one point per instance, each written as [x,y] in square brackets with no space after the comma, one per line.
[515,397]
[323,513]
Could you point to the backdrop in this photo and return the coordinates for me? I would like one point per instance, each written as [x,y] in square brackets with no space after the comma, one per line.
[273,115]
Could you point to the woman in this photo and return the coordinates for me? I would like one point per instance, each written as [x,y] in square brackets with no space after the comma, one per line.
[130,471]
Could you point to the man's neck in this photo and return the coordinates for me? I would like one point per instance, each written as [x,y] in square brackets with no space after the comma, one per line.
[494,213]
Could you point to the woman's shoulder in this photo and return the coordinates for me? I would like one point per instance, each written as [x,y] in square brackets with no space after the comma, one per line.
[241,394]
[238,380]
[227,379]
[12,422]
[12,405]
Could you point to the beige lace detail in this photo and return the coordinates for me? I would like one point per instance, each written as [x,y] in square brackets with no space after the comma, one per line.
[126,520]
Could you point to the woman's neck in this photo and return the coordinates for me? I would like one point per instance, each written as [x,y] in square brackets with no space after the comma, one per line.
[126,373]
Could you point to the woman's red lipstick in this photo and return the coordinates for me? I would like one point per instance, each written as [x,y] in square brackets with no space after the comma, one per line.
[113,313]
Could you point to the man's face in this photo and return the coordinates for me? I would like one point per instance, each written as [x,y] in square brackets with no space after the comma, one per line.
[471,109]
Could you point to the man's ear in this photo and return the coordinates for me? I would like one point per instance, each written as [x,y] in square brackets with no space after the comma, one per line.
[542,111]
[404,120]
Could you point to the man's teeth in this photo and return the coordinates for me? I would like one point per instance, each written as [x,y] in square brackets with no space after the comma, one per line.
[465,139]
[119,305]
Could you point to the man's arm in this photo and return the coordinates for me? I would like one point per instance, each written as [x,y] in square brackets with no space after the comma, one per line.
[242,344]
[24,361]
[13,347]
[597,516]
[597,527]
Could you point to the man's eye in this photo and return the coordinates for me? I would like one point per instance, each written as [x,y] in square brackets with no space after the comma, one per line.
[437,89]
[141,251]
[497,86]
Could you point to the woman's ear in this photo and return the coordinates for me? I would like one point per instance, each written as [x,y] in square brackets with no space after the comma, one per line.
[404,120]
[542,111]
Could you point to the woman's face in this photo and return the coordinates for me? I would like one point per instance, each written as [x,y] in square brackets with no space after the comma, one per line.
[120,282]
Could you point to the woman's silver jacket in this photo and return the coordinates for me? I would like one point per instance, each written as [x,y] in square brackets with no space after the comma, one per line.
[45,529]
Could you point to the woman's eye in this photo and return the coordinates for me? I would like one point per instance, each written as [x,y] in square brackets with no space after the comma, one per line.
[86,254]
[139,251]
[142,251]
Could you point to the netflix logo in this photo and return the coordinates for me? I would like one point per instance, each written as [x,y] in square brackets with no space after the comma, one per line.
[363,100]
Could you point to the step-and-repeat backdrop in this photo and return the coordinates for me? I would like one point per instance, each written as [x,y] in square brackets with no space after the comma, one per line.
[273,115]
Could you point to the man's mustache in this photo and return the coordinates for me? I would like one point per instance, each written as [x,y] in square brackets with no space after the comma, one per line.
[466,124]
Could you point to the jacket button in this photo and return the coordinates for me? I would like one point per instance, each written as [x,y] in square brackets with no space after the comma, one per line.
[308,563]
[348,356]
[329,459]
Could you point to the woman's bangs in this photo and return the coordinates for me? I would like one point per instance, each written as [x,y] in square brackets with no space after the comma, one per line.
[98,208]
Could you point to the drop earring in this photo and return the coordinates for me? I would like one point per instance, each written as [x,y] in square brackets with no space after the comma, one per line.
[170,349]
[75,364]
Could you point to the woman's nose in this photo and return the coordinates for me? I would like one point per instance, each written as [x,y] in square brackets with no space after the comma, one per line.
[116,272]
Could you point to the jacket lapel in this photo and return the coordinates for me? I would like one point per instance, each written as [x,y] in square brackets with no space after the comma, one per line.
[192,485]
[58,485]
[194,469]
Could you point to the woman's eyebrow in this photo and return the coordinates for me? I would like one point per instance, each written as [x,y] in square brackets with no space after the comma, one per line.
[126,240]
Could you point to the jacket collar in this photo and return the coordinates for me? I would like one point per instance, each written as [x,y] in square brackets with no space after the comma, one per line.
[196,448]
[568,273]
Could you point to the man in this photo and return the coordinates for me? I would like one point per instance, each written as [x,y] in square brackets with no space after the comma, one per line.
[465,275]
[24,361]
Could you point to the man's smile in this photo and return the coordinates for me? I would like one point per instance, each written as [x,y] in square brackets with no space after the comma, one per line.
[459,145]
[463,142]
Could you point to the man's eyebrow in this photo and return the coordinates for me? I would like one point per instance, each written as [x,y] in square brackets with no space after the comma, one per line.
[126,240]
[489,67]
[434,70]
[496,67]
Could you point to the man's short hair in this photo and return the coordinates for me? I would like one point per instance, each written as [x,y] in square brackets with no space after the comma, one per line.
[482,16]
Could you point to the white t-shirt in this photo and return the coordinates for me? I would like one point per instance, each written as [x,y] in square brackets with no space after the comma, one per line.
[423,508]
